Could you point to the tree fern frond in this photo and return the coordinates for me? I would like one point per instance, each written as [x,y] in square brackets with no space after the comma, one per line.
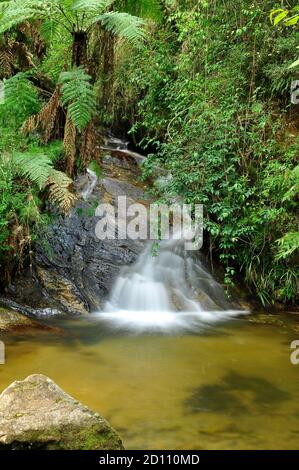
[48,29]
[20,89]
[21,98]
[35,167]
[17,11]
[124,25]
[59,191]
[38,168]
[6,62]
[78,95]
[46,118]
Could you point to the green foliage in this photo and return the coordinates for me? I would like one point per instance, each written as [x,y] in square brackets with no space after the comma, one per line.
[214,110]
[95,167]
[124,25]
[20,100]
[25,179]
[208,95]
[15,12]
[285,17]
[80,15]
[288,245]
[35,167]
[144,8]
[78,96]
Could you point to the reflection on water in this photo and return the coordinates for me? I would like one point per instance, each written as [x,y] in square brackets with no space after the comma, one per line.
[237,393]
[230,387]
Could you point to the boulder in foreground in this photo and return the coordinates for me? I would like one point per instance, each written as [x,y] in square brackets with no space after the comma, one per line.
[37,414]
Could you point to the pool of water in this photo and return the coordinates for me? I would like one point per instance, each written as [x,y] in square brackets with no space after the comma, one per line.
[229,386]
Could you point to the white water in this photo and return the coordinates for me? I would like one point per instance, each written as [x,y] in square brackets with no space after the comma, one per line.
[170,291]
[92,181]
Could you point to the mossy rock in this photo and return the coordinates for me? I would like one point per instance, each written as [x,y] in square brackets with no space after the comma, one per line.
[37,414]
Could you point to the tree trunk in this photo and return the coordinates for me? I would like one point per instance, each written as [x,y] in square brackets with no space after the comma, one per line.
[108,72]
[79,54]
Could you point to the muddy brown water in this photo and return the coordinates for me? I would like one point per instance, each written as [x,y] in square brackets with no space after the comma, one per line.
[229,386]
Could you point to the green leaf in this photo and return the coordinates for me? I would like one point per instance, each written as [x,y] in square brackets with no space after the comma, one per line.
[280,17]
[294,64]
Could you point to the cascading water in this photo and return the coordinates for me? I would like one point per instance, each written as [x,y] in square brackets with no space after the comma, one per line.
[168,291]
[92,181]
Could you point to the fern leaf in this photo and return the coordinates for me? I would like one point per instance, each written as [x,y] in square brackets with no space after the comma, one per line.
[59,191]
[20,91]
[21,98]
[46,118]
[78,96]
[16,12]
[124,25]
[6,62]
[293,177]
[35,167]
[38,168]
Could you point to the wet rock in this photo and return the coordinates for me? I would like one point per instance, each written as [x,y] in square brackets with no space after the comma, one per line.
[62,291]
[11,320]
[37,414]
[30,312]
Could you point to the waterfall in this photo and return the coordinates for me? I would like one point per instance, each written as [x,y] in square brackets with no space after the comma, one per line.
[170,290]
[92,181]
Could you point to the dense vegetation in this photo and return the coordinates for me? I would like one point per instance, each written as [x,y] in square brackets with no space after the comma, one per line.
[204,86]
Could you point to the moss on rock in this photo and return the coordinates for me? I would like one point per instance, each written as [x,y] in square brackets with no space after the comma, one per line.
[37,414]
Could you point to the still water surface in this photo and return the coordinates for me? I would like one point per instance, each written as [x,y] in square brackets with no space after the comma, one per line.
[229,386]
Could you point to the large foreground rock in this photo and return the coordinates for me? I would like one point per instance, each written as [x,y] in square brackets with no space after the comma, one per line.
[37,414]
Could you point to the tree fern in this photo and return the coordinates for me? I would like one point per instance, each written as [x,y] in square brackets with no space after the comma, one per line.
[78,96]
[80,15]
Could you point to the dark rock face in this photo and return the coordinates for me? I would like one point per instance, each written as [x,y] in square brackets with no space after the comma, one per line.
[36,414]
[74,270]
